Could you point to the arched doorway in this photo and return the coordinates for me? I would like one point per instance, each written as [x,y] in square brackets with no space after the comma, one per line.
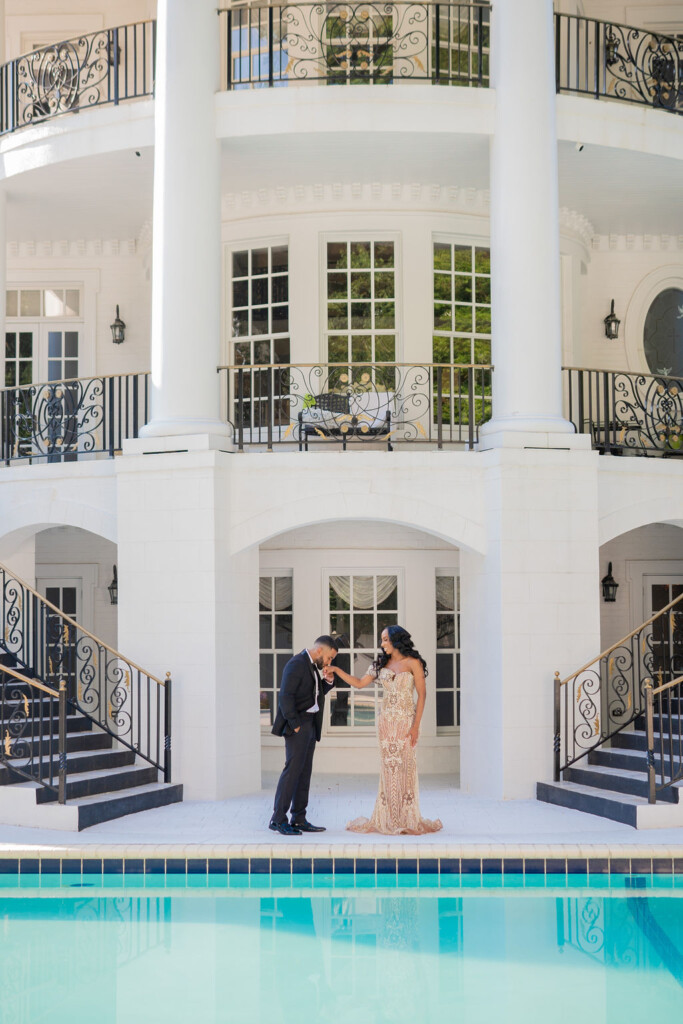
[351,579]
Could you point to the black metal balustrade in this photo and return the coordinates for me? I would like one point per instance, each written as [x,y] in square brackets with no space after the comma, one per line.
[33,724]
[664,733]
[619,62]
[604,696]
[67,420]
[333,403]
[108,66]
[626,413]
[119,696]
[350,43]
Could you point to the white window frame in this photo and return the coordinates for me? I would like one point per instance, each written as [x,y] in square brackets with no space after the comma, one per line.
[361,235]
[85,574]
[274,651]
[449,730]
[451,240]
[353,730]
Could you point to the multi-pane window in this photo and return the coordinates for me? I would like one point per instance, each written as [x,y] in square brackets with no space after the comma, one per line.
[62,355]
[260,330]
[18,358]
[462,303]
[275,640]
[360,607]
[463,48]
[447,651]
[462,333]
[361,302]
[36,303]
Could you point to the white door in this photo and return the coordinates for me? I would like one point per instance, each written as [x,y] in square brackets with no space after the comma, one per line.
[67,596]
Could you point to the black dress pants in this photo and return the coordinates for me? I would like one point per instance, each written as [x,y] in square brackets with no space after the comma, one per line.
[295,781]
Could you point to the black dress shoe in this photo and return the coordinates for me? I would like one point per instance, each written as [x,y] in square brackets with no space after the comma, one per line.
[305,826]
[284,828]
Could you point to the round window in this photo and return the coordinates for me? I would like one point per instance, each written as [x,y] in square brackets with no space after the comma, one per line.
[663,334]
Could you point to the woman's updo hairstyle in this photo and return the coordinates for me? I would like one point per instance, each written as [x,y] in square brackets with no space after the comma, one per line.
[403,642]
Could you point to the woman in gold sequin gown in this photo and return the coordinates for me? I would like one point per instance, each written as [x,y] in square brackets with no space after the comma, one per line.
[401,671]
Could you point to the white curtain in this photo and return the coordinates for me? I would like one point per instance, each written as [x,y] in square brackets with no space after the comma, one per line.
[283,593]
[363,589]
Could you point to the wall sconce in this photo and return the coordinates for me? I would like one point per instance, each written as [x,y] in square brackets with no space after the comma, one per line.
[612,324]
[118,329]
[113,589]
[609,585]
[611,50]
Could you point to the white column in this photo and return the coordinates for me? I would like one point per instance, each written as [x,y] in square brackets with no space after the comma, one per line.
[529,607]
[525,244]
[3,33]
[186,285]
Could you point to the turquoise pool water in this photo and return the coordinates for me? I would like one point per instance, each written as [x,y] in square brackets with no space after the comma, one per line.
[340,949]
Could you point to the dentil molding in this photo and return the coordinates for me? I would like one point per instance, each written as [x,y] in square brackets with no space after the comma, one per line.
[637,243]
[48,248]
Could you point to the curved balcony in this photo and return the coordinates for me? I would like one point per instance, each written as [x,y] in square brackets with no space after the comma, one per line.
[355,43]
[618,62]
[105,67]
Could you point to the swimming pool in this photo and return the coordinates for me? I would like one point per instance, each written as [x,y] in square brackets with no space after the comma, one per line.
[473,949]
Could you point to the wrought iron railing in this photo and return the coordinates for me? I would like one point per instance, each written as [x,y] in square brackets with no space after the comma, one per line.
[67,420]
[338,403]
[108,66]
[33,723]
[607,694]
[358,42]
[664,735]
[626,413]
[619,62]
[129,703]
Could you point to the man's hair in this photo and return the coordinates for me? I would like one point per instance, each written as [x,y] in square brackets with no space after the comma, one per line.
[326,641]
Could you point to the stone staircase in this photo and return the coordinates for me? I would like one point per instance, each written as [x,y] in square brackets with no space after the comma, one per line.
[612,782]
[103,779]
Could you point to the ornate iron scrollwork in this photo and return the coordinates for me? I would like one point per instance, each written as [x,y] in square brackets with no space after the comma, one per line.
[63,77]
[644,67]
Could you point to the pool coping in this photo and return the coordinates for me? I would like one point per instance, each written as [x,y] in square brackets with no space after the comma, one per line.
[319,859]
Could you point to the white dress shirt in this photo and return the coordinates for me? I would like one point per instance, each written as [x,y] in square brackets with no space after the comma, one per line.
[312,710]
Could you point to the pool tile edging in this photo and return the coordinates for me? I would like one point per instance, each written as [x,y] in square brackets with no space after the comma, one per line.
[385,861]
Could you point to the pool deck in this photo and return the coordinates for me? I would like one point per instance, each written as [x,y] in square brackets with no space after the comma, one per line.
[473,828]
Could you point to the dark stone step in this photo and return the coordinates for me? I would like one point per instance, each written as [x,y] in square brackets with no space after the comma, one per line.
[50,723]
[93,810]
[621,808]
[78,762]
[616,780]
[630,760]
[93,783]
[637,740]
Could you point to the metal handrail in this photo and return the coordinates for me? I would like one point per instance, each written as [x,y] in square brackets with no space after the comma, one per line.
[626,373]
[26,759]
[619,643]
[666,686]
[31,682]
[76,380]
[82,629]
[357,365]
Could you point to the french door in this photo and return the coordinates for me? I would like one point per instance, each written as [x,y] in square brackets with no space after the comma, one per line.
[667,630]
[67,596]
[42,421]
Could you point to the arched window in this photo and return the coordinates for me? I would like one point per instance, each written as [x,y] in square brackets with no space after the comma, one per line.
[663,333]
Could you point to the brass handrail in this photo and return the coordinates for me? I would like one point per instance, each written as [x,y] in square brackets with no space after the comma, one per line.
[76,380]
[623,640]
[31,682]
[349,364]
[251,4]
[666,686]
[629,373]
[73,622]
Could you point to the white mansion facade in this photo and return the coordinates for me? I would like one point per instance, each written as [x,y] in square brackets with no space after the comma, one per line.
[363,258]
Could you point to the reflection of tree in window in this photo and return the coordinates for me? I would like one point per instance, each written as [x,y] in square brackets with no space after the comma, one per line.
[447,651]
[663,334]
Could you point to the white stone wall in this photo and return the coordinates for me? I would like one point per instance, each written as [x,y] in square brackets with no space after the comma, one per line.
[27,20]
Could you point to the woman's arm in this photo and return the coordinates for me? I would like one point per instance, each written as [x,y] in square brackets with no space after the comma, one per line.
[359,684]
[421,687]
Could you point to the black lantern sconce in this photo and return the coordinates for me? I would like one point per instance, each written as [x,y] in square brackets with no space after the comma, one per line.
[612,324]
[113,589]
[118,329]
[609,585]
[611,50]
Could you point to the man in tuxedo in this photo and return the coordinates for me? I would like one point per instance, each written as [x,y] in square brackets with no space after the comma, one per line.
[300,720]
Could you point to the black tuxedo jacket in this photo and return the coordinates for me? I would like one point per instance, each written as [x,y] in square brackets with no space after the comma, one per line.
[297,693]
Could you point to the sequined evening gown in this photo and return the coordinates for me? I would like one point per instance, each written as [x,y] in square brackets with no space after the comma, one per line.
[397,810]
